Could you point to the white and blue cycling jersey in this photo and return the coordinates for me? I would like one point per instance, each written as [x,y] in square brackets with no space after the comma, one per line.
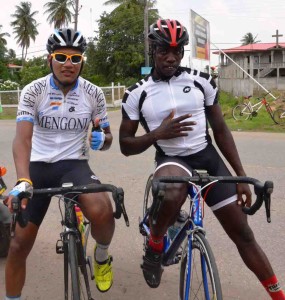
[61,122]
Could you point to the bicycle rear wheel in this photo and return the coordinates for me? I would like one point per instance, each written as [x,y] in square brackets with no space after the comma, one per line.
[199,278]
[279,116]
[241,112]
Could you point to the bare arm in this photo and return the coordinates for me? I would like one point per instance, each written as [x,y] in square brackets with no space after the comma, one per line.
[168,129]
[108,138]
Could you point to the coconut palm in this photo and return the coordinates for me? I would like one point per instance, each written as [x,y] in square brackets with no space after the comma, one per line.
[59,12]
[249,39]
[2,36]
[143,2]
[25,26]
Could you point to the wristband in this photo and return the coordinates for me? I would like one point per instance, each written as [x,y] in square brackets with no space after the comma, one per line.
[25,180]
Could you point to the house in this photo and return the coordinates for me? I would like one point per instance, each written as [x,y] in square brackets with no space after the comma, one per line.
[14,68]
[245,69]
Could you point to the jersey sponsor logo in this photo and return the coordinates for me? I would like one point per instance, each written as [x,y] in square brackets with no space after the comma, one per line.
[187,89]
[33,92]
[92,90]
[25,113]
[63,123]
[274,287]
[55,105]
[71,109]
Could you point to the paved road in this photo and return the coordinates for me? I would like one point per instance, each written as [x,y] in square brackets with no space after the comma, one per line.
[263,157]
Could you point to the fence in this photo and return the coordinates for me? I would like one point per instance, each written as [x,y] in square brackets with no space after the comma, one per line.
[113,95]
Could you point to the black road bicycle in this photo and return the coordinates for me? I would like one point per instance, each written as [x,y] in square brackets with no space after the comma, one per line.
[73,242]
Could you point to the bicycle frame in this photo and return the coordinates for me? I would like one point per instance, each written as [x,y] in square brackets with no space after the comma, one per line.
[193,223]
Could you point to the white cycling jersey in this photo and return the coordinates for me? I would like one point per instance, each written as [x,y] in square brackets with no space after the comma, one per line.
[61,122]
[150,101]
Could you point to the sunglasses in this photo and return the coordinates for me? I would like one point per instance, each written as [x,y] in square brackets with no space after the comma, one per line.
[62,58]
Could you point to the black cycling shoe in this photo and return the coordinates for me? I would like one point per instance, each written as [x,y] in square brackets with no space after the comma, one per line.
[152,268]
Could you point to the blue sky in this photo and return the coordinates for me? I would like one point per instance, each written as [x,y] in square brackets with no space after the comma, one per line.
[229,20]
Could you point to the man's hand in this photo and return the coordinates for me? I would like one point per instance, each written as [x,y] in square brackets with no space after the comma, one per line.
[21,187]
[97,138]
[172,128]
[244,195]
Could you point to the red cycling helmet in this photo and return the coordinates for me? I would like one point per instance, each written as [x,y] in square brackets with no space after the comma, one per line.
[169,32]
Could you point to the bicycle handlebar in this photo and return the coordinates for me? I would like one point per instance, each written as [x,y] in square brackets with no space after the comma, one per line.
[68,188]
[262,191]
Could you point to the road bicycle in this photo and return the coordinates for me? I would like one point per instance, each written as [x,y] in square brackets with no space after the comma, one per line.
[73,241]
[199,277]
[248,110]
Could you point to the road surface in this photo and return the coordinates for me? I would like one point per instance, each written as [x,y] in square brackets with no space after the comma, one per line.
[263,157]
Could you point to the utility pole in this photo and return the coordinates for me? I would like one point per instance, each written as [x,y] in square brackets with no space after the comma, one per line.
[146,45]
[76,12]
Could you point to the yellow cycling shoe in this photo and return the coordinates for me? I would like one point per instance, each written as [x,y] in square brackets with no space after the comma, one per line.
[103,274]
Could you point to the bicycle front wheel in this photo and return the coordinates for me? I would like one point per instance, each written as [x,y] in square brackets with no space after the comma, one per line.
[241,112]
[71,274]
[279,116]
[199,278]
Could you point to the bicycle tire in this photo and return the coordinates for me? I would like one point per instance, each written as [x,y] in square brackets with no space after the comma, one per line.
[201,288]
[279,116]
[241,112]
[148,199]
[71,270]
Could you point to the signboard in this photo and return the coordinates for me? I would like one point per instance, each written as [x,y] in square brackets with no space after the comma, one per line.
[200,37]
[145,70]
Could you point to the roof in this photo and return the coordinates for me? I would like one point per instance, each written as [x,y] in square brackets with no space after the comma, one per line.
[13,66]
[252,48]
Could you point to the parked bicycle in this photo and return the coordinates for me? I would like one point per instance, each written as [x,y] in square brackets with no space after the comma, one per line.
[199,277]
[248,110]
[73,240]
[5,218]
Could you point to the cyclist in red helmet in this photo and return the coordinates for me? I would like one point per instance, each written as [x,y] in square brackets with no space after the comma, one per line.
[51,147]
[175,105]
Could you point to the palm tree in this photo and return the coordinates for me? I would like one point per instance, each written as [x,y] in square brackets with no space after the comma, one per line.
[249,39]
[25,26]
[59,12]
[2,36]
[150,3]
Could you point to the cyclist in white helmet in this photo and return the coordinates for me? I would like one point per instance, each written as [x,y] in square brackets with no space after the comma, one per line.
[175,106]
[51,147]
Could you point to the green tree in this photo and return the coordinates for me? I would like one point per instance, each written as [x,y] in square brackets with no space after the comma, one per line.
[2,36]
[249,39]
[59,12]
[120,48]
[33,69]
[25,26]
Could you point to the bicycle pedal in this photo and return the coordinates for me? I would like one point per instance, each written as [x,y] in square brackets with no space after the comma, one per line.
[59,247]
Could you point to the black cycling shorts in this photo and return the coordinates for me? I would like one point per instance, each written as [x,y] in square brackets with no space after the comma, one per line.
[45,175]
[220,194]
